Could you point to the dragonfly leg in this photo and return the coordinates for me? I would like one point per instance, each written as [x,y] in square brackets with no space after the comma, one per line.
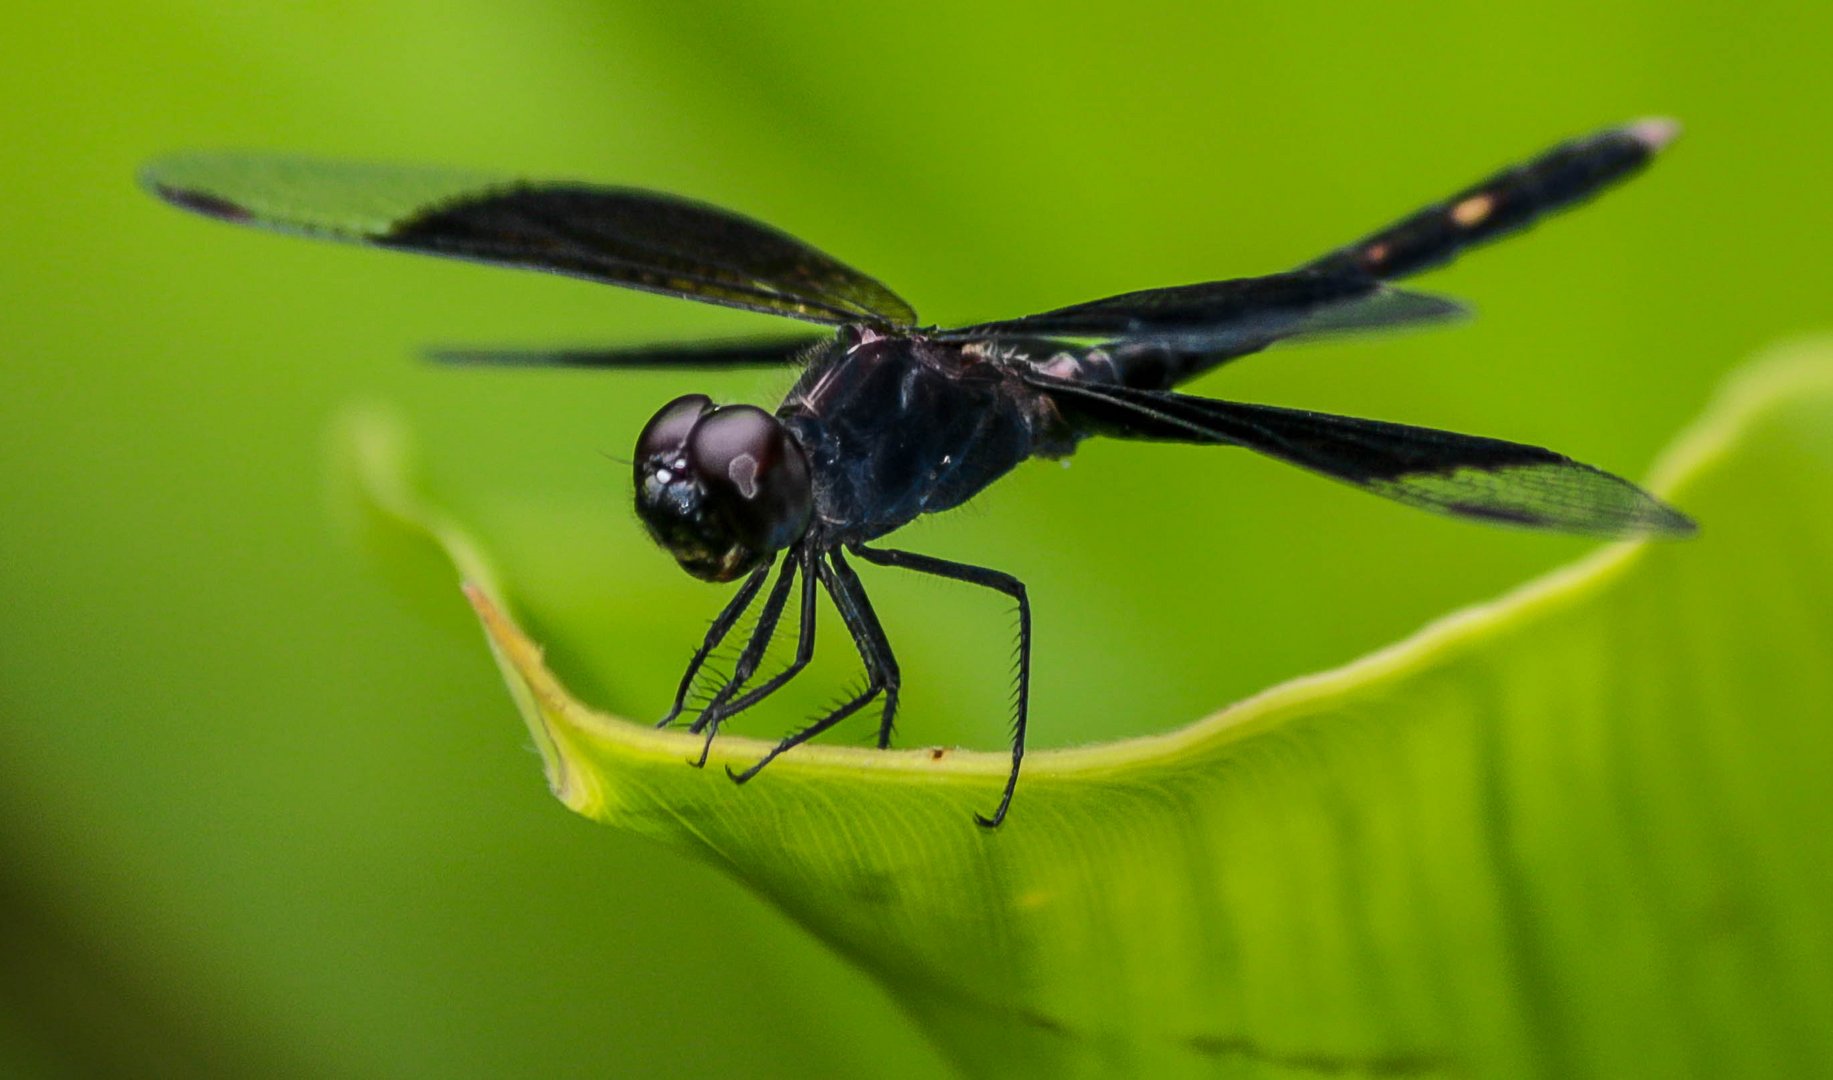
[805,651]
[874,651]
[748,660]
[722,625]
[870,635]
[999,582]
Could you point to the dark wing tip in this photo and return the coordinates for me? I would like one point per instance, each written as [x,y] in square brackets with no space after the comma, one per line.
[153,177]
[715,354]
[1667,523]
[1500,514]
[473,357]
[1653,132]
[1405,305]
[202,202]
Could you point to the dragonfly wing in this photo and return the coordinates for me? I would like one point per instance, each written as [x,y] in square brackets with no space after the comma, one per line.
[637,239]
[1463,475]
[736,352]
[1240,315]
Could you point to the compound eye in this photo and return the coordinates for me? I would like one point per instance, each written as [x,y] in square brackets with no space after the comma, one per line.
[667,432]
[734,448]
[755,472]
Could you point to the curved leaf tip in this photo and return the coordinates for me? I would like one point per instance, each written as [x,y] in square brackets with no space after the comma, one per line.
[1582,829]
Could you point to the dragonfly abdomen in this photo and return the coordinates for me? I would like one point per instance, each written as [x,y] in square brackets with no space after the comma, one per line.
[1140,367]
[1508,201]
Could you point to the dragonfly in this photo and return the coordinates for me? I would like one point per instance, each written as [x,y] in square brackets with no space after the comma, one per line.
[889,420]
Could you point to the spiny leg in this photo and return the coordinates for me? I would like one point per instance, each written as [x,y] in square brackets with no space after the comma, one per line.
[849,596]
[722,625]
[874,636]
[748,660]
[753,653]
[999,582]
[805,647]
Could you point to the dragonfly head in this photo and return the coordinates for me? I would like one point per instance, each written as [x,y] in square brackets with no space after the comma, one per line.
[722,489]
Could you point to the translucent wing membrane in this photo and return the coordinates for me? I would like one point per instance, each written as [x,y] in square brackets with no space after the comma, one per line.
[637,239]
[1465,475]
[736,352]
[1234,316]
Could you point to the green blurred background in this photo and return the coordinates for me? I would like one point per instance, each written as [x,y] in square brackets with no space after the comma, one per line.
[260,815]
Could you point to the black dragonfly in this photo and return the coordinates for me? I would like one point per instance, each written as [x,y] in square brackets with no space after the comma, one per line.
[889,420]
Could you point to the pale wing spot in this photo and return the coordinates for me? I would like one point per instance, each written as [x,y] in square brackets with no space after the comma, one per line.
[1473,210]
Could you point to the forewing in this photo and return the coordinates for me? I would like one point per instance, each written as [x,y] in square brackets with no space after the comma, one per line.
[1227,316]
[1464,475]
[638,239]
[736,352]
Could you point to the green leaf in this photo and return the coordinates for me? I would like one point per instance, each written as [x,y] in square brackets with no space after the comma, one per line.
[1582,830]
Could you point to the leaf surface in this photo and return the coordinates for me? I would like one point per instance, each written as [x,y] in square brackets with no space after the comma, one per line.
[1581,830]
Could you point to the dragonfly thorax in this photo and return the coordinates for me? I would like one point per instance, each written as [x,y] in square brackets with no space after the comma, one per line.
[721,489]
